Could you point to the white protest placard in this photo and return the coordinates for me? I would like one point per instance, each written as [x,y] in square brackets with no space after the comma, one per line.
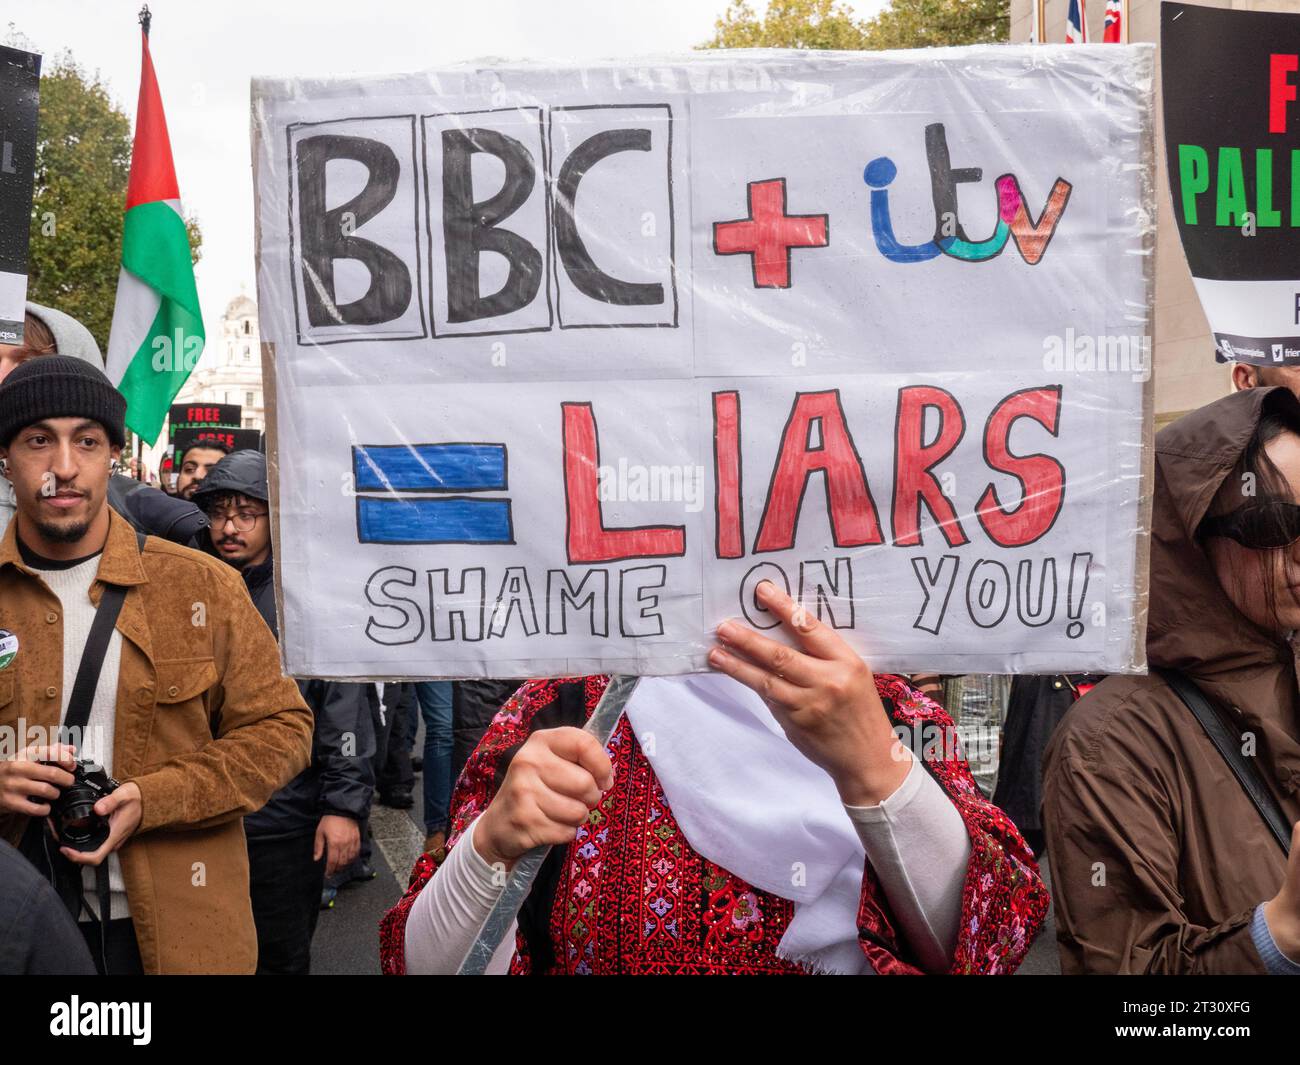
[567,360]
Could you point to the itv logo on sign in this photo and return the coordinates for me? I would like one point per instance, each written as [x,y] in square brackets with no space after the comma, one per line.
[476,223]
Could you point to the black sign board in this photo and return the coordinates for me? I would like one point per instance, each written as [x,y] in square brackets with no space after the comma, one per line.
[20,74]
[235,439]
[193,415]
[1231,82]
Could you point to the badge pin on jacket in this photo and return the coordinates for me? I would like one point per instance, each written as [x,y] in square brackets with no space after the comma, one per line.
[8,647]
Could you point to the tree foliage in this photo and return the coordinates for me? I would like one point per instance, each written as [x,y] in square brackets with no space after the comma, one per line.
[789,24]
[830,24]
[932,23]
[83,161]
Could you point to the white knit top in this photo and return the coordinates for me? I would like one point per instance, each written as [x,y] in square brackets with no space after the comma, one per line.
[72,586]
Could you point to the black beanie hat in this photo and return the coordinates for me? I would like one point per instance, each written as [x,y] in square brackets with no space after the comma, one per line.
[60,386]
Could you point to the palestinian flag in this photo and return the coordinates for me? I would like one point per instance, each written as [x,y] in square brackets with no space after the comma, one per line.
[157,334]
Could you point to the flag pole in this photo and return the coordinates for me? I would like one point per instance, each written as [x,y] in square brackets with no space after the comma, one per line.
[145,18]
[163,309]
[1040,13]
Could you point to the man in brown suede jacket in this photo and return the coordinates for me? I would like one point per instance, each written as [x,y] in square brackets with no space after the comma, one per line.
[191,712]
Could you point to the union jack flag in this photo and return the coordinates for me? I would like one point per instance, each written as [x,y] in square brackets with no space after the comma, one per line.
[1076,26]
[1114,23]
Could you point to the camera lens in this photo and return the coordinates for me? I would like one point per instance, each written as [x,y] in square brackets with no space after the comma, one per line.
[79,826]
[77,829]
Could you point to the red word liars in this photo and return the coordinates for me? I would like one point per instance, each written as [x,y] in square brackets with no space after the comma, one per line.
[818,447]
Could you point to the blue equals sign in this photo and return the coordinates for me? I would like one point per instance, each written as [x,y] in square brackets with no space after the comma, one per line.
[429,514]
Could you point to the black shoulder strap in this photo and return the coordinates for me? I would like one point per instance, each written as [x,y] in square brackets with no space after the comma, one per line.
[92,655]
[1228,743]
[83,695]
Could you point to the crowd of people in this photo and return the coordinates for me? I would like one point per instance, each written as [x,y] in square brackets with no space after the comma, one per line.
[171,802]
[188,688]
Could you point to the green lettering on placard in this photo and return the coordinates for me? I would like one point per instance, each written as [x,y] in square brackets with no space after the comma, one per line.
[1265,213]
[1230,202]
[1295,186]
[1193,177]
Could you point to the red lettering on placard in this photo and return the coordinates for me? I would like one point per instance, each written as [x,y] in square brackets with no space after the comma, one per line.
[914,483]
[726,475]
[1280,91]
[1041,476]
[848,499]
[587,537]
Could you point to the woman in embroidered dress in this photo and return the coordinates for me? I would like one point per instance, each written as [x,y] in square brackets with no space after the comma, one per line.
[766,818]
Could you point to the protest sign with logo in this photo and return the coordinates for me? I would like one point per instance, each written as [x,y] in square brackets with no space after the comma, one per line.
[186,422]
[198,414]
[566,361]
[234,439]
[20,76]
[183,418]
[1232,143]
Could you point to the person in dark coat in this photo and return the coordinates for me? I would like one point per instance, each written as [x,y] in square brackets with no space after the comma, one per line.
[1162,862]
[396,775]
[474,703]
[38,937]
[310,828]
[155,513]
[1035,708]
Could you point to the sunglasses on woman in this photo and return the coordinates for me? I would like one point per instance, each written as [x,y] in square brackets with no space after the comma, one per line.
[1259,526]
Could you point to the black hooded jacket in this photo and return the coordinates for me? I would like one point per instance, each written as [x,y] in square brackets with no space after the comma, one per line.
[155,513]
[340,779]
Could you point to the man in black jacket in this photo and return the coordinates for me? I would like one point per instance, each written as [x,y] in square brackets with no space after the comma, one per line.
[310,827]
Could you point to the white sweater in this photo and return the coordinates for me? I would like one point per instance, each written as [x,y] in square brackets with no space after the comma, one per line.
[72,586]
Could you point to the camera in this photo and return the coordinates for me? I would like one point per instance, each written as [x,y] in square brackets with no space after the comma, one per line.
[73,812]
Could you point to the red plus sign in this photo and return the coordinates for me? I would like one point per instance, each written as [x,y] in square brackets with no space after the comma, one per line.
[769,233]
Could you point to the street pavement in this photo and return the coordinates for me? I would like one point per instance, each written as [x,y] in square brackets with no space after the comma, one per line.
[1042,959]
[347,936]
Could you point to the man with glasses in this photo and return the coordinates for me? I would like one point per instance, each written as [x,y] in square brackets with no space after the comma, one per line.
[310,827]
[238,514]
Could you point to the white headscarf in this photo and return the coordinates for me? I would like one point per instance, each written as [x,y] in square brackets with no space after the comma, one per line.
[749,802]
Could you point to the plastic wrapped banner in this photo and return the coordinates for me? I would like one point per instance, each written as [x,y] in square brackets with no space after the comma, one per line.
[566,361]
[1232,142]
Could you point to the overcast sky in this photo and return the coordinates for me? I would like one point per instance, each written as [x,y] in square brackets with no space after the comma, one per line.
[205,52]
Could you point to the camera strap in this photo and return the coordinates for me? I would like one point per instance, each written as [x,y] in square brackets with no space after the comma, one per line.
[92,655]
[79,704]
